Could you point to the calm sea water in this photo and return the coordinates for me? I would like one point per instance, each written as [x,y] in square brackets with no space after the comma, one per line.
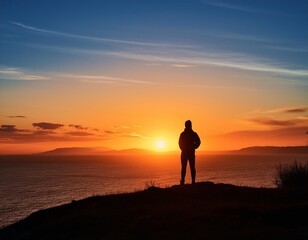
[31,183]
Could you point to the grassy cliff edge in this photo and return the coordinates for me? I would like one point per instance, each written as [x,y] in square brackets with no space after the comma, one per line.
[201,211]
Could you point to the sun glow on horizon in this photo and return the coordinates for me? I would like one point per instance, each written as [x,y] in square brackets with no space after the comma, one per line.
[160,144]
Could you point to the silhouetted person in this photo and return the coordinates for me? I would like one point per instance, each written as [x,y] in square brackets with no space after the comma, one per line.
[188,142]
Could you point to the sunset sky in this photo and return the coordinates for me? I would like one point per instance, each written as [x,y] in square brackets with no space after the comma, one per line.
[128,74]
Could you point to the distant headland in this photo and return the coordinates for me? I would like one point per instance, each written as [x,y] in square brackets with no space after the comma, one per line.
[107,151]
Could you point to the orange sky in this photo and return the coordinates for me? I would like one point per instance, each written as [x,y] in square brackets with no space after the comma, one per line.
[66,112]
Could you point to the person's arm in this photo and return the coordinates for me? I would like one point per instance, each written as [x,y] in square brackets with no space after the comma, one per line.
[181,141]
[197,141]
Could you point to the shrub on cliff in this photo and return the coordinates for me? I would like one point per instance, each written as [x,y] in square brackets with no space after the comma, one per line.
[292,175]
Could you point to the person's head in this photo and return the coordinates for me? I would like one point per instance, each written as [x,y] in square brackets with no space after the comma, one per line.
[188,124]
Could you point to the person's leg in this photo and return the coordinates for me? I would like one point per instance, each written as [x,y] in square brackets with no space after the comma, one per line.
[192,167]
[184,164]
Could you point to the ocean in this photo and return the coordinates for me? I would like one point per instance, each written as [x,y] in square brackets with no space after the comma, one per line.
[33,182]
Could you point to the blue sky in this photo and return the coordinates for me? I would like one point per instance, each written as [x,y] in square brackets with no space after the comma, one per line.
[269,32]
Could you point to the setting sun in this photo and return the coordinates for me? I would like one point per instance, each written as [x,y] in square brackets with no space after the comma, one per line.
[160,144]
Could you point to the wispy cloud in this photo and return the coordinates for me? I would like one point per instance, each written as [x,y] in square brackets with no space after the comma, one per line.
[290,49]
[79,127]
[17,116]
[8,128]
[121,127]
[97,39]
[46,136]
[177,57]
[126,132]
[104,79]
[195,58]
[135,135]
[290,110]
[221,4]
[236,7]
[7,73]
[239,36]
[181,65]
[297,109]
[47,126]
[82,128]
[55,132]
[47,132]
[278,122]
[236,61]
[80,134]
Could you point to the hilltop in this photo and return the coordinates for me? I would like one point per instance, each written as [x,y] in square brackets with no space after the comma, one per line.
[200,211]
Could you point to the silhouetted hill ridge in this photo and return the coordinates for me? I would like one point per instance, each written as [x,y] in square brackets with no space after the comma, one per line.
[76,151]
[95,151]
[275,150]
[139,151]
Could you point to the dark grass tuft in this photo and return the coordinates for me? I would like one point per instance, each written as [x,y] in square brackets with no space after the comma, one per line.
[292,175]
[149,184]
